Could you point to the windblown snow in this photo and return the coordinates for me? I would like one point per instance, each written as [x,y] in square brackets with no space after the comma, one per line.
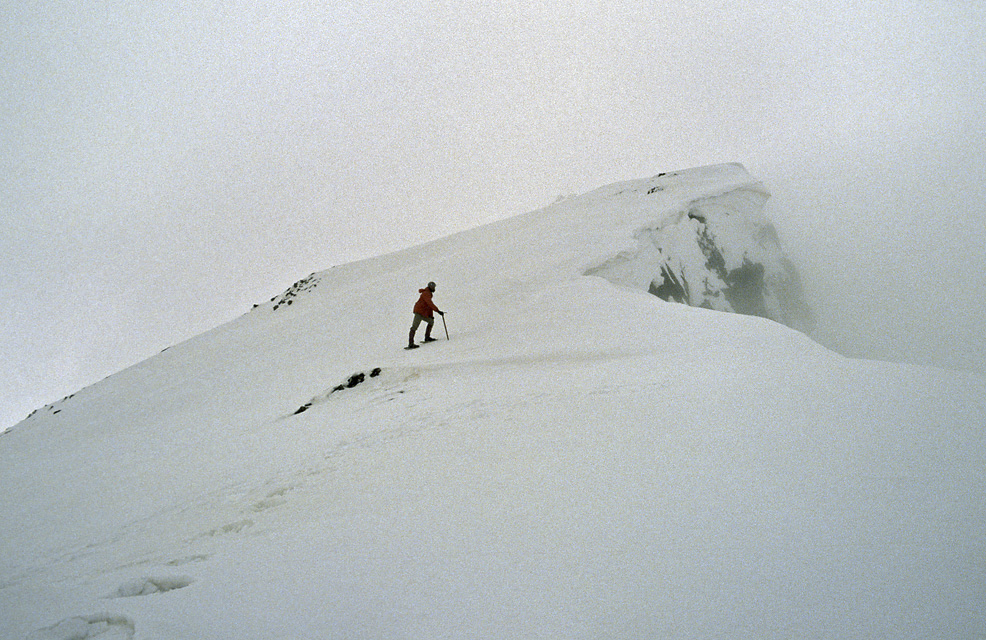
[582,459]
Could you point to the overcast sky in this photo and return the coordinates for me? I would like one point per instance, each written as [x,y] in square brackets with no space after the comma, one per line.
[167,165]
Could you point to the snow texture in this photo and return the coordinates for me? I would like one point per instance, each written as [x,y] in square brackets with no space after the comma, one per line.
[580,460]
[103,626]
[148,586]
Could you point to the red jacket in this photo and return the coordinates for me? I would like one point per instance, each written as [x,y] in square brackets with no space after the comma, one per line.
[424,306]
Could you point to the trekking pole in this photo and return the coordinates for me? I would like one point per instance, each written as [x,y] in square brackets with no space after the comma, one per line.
[445,325]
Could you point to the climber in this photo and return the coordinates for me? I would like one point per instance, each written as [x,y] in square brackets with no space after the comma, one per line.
[424,311]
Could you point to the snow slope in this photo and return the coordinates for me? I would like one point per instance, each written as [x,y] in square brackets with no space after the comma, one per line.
[580,460]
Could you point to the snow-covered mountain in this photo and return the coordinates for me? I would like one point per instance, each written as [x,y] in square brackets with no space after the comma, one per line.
[582,459]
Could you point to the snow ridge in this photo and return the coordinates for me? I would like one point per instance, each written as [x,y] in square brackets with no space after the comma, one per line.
[716,252]
[579,459]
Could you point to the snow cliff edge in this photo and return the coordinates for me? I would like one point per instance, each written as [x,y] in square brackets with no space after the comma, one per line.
[718,252]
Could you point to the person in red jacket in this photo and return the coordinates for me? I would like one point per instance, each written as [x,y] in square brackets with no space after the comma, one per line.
[424,311]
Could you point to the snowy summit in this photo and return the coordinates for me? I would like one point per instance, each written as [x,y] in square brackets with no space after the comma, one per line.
[584,457]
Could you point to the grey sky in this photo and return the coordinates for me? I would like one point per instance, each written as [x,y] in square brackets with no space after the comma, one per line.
[166,166]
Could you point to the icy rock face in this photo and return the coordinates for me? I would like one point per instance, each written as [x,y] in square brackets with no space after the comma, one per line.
[718,252]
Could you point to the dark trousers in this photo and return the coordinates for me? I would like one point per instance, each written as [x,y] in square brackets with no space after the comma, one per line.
[418,319]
